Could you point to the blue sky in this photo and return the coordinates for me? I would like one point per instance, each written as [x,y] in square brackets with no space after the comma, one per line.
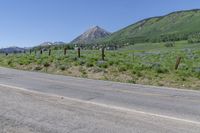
[31,22]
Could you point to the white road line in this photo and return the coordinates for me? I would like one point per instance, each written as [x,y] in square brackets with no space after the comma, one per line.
[105,105]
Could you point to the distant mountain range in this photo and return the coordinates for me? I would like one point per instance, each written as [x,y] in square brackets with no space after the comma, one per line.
[52,43]
[91,35]
[12,50]
[15,49]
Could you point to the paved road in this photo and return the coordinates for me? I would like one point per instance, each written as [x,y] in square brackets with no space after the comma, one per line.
[67,104]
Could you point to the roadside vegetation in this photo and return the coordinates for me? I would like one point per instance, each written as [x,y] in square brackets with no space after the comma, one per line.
[144,63]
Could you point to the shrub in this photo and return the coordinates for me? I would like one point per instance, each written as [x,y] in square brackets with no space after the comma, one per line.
[196,70]
[10,62]
[39,61]
[62,67]
[161,70]
[89,64]
[38,68]
[46,64]
[111,62]
[81,62]
[122,68]
[102,64]
[169,44]
[82,70]
[195,38]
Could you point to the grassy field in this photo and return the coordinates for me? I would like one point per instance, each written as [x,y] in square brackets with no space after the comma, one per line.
[146,63]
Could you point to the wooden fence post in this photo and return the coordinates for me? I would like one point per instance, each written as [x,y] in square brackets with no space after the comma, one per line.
[65,51]
[103,53]
[79,52]
[49,52]
[178,61]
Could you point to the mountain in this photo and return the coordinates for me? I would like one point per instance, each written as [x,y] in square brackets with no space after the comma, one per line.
[174,26]
[52,45]
[91,35]
[12,50]
[48,44]
[59,43]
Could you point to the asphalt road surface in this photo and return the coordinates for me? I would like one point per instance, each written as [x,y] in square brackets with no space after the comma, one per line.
[43,103]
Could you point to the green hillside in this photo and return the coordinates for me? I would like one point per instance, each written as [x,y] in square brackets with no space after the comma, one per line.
[174,26]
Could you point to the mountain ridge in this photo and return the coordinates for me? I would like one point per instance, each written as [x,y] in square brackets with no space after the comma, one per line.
[177,25]
[13,49]
[91,35]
